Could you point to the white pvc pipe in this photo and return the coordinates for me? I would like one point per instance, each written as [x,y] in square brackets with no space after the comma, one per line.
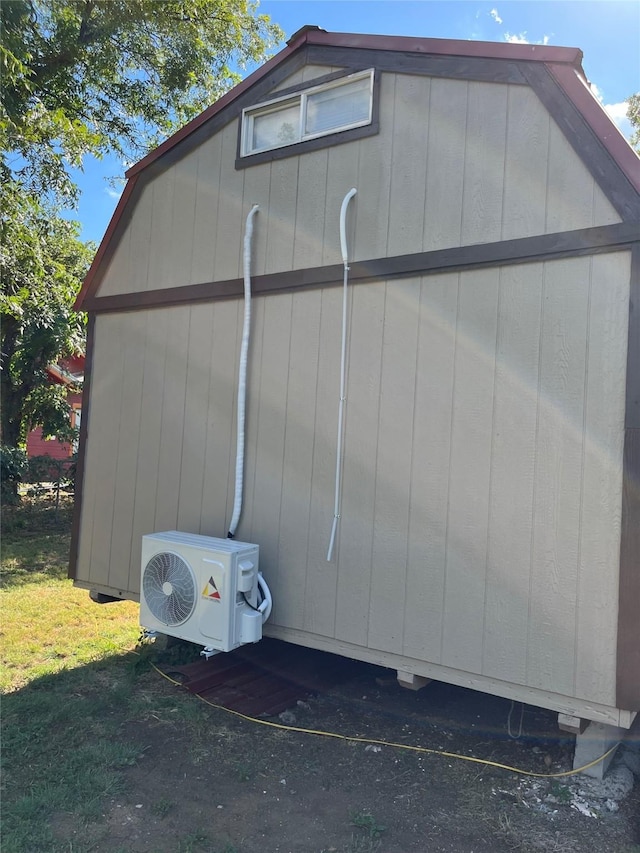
[267,602]
[242,374]
[343,368]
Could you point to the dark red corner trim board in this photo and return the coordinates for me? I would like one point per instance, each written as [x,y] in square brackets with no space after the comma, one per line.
[563,63]
[577,89]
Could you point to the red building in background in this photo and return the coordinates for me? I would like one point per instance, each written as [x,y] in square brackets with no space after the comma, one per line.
[69,372]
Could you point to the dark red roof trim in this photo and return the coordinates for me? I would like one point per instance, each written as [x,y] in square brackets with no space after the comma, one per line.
[450,47]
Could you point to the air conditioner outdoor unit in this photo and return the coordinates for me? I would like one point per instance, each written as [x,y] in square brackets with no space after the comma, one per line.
[201,589]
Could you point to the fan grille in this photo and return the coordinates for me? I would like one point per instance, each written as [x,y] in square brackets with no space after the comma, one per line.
[169,588]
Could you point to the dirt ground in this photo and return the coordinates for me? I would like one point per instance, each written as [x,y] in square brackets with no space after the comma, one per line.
[209,781]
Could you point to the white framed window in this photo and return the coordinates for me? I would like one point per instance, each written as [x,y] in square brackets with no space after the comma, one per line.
[341,104]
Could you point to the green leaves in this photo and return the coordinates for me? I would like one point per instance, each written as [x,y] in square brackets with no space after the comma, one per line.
[633,114]
[43,263]
[88,77]
[91,76]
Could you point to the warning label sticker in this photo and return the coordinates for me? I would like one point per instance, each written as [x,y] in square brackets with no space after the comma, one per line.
[211,591]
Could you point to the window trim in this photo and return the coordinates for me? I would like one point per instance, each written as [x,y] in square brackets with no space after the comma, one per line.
[309,142]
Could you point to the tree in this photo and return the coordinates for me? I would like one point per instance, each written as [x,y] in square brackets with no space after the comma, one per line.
[633,114]
[91,76]
[42,262]
[88,77]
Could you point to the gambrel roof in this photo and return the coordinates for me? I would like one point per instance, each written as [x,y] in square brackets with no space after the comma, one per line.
[555,74]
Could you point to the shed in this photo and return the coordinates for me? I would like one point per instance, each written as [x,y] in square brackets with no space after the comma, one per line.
[489,528]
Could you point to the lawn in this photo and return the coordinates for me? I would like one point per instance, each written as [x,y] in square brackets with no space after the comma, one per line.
[48,624]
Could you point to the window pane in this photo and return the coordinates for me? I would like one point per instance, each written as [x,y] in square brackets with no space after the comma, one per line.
[338,107]
[276,128]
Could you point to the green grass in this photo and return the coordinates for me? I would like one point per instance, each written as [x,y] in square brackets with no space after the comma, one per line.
[48,624]
[64,666]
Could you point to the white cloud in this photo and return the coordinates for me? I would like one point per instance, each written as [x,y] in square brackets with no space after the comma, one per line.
[516,39]
[496,17]
[113,193]
[521,38]
[618,112]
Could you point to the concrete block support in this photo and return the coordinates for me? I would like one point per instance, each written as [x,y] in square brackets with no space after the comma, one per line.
[412,681]
[593,742]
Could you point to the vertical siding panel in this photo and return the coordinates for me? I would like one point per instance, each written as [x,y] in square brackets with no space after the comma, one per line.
[371,206]
[271,437]
[153,358]
[393,466]
[320,591]
[133,328]
[469,483]
[527,154]
[117,278]
[106,396]
[161,230]
[355,544]
[298,458]
[569,186]
[555,545]
[310,210]
[342,174]
[172,419]
[282,214]
[180,258]
[220,445]
[445,164]
[512,473]
[100,406]
[309,72]
[312,72]
[230,220]
[206,210]
[291,80]
[604,212]
[484,163]
[195,418]
[430,467]
[409,165]
[596,629]
[140,228]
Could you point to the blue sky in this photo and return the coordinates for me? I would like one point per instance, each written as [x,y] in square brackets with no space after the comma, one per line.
[607,31]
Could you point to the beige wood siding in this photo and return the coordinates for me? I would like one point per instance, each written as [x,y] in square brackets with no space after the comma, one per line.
[455,163]
[480,523]
[307,75]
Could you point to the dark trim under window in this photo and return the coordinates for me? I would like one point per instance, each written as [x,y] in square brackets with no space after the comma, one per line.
[310,116]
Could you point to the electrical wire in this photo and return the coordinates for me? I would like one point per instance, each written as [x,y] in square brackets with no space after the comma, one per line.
[407,747]
[252,606]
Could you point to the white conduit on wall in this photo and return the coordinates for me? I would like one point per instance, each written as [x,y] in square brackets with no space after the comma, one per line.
[343,367]
[242,374]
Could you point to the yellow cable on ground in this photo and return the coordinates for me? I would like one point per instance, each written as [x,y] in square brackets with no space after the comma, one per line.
[421,749]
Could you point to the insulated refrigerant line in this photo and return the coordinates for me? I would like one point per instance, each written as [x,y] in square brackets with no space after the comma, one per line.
[343,367]
[242,374]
